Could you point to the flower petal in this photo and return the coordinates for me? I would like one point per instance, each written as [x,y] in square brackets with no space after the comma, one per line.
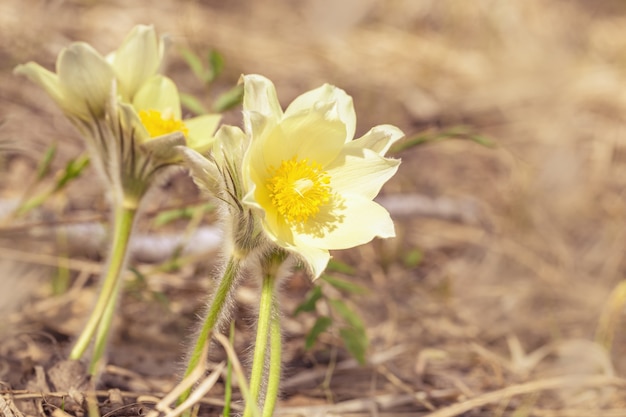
[322,96]
[158,93]
[48,80]
[379,139]
[204,172]
[164,147]
[307,135]
[136,60]
[360,171]
[358,220]
[201,130]
[315,259]
[260,96]
[85,78]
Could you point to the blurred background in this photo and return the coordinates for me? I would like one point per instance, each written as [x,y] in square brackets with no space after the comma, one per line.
[510,215]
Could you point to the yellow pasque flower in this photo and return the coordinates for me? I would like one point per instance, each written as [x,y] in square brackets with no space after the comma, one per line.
[310,183]
[129,114]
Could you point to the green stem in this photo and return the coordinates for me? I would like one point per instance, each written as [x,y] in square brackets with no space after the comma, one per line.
[273,382]
[102,332]
[123,219]
[258,362]
[215,310]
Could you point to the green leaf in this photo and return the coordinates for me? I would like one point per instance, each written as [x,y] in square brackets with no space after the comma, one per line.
[192,104]
[309,303]
[44,166]
[216,64]
[229,99]
[413,258]
[455,132]
[185,213]
[338,266]
[73,169]
[350,316]
[356,342]
[195,63]
[321,324]
[343,285]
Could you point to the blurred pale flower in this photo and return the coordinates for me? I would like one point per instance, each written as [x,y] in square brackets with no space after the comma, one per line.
[129,114]
[312,185]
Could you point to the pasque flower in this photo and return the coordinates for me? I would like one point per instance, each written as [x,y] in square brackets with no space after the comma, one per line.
[292,182]
[310,184]
[130,118]
[129,114]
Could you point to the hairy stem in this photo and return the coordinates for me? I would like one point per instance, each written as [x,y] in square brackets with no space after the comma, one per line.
[226,285]
[273,382]
[123,219]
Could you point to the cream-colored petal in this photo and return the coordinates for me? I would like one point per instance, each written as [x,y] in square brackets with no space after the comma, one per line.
[316,260]
[203,171]
[322,96]
[379,139]
[130,122]
[261,108]
[85,78]
[158,93]
[259,95]
[307,135]
[201,131]
[360,171]
[164,148]
[136,60]
[354,220]
[44,78]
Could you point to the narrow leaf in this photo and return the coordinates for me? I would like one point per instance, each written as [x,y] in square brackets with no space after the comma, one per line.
[310,302]
[229,99]
[356,342]
[195,63]
[351,317]
[343,285]
[321,324]
[216,64]
[337,266]
[44,166]
[73,169]
[192,104]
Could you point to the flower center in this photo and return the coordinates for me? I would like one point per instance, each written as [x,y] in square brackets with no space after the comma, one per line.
[298,189]
[161,123]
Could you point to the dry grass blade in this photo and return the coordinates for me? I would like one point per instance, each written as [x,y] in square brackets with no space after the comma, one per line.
[241,378]
[201,390]
[528,388]
[163,405]
[5,409]
[380,402]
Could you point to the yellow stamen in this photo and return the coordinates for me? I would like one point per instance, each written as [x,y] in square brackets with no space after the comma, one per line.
[298,189]
[159,124]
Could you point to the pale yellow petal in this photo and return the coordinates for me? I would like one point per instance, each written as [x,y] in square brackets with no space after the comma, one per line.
[201,131]
[306,136]
[85,78]
[322,96]
[352,220]
[260,96]
[203,171]
[44,78]
[158,93]
[379,139]
[315,259]
[164,148]
[360,171]
[136,60]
